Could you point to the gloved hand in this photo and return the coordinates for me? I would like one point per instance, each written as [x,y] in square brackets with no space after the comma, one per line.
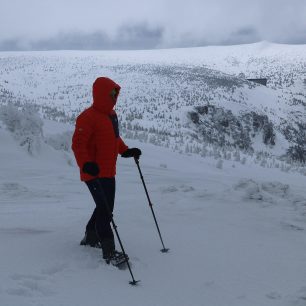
[91,168]
[133,152]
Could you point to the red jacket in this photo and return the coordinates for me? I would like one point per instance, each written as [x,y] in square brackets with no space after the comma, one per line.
[96,136]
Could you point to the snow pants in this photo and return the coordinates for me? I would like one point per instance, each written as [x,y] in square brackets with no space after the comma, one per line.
[101,219]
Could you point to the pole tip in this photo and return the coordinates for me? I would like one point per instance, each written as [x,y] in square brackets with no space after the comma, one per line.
[134,282]
[164,250]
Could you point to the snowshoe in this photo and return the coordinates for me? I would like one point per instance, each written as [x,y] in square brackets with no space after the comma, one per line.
[91,239]
[117,259]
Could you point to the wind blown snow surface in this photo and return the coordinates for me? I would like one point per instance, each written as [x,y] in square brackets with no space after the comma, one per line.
[236,231]
[234,221]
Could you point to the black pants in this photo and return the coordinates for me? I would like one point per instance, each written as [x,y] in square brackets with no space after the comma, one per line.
[100,219]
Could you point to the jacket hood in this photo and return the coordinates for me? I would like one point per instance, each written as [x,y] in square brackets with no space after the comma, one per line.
[101,89]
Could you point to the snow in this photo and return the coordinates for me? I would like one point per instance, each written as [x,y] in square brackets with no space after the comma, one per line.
[52,127]
[159,87]
[236,233]
[192,56]
[234,225]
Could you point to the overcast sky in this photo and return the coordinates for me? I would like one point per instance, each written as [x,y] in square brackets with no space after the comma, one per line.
[141,24]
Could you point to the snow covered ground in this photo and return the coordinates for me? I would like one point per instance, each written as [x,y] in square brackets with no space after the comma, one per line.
[160,88]
[236,232]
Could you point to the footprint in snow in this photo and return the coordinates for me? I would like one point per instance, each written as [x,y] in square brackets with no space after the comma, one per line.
[49,271]
[300,300]
[186,188]
[169,189]
[291,226]
[181,188]
[13,189]
[274,295]
[30,285]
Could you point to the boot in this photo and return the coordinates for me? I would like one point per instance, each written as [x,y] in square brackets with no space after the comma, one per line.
[111,255]
[108,248]
[91,239]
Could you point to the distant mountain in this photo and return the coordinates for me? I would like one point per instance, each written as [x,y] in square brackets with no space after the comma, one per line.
[194,100]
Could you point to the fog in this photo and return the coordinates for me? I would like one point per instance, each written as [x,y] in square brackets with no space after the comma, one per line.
[94,24]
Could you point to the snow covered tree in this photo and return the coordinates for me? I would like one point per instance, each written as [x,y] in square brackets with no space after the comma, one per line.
[25,124]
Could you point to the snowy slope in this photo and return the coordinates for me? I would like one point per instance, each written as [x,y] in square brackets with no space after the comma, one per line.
[236,232]
[160,88]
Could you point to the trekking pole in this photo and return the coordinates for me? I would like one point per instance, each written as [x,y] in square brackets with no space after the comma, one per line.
[133,282]
[163,250]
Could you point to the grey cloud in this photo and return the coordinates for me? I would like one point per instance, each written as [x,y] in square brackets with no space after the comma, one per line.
[73,41]
[128,37]
[139,36]
[245,35]
[242,36]
[74,24]
[11,45]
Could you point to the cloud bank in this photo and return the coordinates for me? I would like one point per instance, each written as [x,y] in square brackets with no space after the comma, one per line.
[135,24]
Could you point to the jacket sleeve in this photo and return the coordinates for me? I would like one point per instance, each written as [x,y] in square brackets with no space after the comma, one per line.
[82,134]
[122,146]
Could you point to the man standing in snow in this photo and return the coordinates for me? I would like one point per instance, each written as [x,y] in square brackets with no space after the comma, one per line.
[96,144]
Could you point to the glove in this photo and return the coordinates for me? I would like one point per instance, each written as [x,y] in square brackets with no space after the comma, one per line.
[133,152]
[91,168]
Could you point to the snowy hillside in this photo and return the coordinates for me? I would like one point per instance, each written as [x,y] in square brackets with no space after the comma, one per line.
[163,91]
[236,231]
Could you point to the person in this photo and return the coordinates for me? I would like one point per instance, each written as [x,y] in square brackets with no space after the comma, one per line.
[96,144]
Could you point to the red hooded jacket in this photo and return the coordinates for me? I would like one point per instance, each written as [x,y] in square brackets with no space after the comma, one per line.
[96,136]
